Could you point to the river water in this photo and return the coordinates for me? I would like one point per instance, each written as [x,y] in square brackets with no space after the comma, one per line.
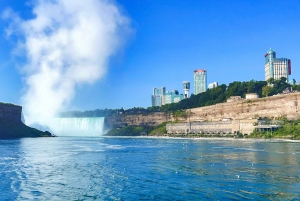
[69,168]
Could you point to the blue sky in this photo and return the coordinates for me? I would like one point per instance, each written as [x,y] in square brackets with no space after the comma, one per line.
[170,40]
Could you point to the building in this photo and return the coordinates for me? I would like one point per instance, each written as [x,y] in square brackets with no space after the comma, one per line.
[172,97]
[157,94]
[252,96]
[228,126]
[276,67]
[200,81]
[186,88]
[213,85]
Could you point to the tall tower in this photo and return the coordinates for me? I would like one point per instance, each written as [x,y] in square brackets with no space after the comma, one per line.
[276,67]
[200,81]
[186,88]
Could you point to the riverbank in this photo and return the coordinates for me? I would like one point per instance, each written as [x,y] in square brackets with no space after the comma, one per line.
[211,138]
[225,137]
[290,129]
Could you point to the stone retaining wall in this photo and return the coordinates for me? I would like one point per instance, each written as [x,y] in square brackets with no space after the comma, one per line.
[245,126]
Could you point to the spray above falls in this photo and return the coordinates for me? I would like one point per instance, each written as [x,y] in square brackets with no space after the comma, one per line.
[65,43]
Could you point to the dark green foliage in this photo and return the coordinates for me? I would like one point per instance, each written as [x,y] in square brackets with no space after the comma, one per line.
[290,130]
[138,130]
[159,130]
[210,97]
[266,90]
[213,96]
[296,87]
[153,109]
[105,112]
[90,113]
[128,131]
[180,113]
[11,129]
[221,93]
[217,95]
[242,88]
[279,86]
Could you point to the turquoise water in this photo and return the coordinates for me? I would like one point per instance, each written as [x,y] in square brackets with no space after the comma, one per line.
[68,168]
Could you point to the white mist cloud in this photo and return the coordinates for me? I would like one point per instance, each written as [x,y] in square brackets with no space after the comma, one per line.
[67,42]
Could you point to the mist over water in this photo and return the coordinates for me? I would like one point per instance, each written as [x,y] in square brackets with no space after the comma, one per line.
[65,44]
[80,126]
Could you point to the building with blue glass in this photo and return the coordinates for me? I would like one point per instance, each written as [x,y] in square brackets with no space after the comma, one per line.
[157,94]
[200,81]
[276,67]
[172,97]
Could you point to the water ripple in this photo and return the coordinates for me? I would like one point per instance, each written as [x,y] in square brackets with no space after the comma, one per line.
[148,169]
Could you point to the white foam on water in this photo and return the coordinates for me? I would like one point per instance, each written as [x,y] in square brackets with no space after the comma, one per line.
[83,126]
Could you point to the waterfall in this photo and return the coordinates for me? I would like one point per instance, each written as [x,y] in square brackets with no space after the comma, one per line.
[79,126]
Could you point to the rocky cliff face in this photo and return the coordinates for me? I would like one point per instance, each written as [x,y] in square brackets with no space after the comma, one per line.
[151,120]
[273,107]
[10,112]
[11,125]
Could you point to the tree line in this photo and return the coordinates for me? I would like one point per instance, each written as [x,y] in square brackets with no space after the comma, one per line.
[213,96]
[221,93]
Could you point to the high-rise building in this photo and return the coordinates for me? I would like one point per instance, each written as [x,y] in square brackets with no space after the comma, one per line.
[157,94]
[213,85]
[276,67]
[186,88]
[200,81]
[172,97]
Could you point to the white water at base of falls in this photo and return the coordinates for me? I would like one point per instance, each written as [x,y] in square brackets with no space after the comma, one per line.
[78,126]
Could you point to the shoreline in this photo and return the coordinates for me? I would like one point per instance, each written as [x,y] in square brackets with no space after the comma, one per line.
[209,138]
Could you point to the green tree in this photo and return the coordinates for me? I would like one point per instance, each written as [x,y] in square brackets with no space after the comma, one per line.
[266,90]
[270,80]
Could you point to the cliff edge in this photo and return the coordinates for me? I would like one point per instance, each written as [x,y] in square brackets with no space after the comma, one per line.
[11,125]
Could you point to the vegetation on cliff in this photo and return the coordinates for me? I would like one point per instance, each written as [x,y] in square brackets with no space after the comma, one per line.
[221,93]
[159,130]
[213,96]
[290,130]
[139,131]
[276,86]
[129,131]
[89,113]
[12,129]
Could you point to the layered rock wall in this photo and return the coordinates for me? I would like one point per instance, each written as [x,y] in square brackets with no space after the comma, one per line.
[152,119]
[272,107]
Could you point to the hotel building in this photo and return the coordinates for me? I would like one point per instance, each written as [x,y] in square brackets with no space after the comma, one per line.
[213,85]
[276,67]
[157,94]
[200,81]
[172,97]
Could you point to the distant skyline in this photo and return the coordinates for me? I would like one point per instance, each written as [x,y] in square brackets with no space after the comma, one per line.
[169,40]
